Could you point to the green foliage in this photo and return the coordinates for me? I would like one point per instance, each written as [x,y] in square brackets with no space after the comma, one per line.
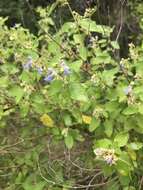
[66,89]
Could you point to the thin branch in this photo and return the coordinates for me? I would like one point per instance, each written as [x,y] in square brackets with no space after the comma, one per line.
[78,186]
[92,179]
[121,24]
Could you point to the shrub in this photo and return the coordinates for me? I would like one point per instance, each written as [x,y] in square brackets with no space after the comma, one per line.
[65,87]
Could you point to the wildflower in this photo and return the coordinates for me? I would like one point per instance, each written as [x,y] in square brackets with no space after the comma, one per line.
[93,78]
[128,90]
[99,151]
[49,78]
[40,70]
[66,69]
[108,155]
[122,66]
[47,120]
[110,159]
[50,75]
[28,64]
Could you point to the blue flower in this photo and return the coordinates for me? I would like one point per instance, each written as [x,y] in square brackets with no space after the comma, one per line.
[49,78]
[28,64]
[109,160]
[66,70]
[39,70]
[128,90]
[50,75]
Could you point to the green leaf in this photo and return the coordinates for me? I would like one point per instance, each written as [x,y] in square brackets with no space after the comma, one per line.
[106,74]
[135,145]
[4,81]
[69,141]
[67,119]
[90,25]
[131,109]
[123,165]
[124,180]
[78,38]
[77,92]
[29,186]
[76,65]
[55,87]
[77,115]
[103,143]
[108,124]
[94,124]
[17,92]
[83,52]
[38,103]
[140,109]
[115,45]
[67,27]
[121,139]
[24,108]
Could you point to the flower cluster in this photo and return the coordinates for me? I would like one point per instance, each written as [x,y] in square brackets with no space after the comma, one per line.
[133,51]
[51,73]
[108,155]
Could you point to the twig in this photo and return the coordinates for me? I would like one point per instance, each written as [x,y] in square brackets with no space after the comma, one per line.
[141,183]
[93,179]
[78,186]
[121,24]
[86,169]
